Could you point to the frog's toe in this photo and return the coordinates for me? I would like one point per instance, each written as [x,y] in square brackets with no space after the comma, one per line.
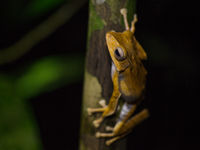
[102,102]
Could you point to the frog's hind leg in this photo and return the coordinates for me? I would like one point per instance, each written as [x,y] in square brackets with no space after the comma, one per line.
[129,125]
[112,140]
[133,23]
[123,11]
[125,125]
[126,112]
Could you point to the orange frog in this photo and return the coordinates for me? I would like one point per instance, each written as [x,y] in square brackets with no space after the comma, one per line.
[129,78]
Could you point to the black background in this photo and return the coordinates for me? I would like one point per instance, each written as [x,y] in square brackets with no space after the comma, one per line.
[169,32]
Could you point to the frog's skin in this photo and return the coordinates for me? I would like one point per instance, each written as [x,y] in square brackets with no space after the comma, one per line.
[129,77]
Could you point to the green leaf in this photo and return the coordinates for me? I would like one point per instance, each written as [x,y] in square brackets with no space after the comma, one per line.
[38,7]
[48,74]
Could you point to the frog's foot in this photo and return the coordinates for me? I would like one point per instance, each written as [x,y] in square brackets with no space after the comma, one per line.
[122,128]
[110,141]
[100,135]
[133,23]
[102,102]
[97,122]
[103,105]
[90,111]
[109,128]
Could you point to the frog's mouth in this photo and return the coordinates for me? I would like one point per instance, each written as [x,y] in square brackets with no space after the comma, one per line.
[122,70]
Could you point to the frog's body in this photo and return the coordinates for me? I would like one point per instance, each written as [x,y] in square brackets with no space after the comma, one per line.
[131,72]
[129,77]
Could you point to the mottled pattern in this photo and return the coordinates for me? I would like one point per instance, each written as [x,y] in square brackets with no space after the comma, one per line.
[99,63]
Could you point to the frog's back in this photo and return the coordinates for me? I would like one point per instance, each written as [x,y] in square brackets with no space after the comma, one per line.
[132,83]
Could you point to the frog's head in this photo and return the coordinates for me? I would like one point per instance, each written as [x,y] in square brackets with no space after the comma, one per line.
[123,47]
[117,46]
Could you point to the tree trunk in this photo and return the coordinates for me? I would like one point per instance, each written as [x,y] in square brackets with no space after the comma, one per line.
[103,17]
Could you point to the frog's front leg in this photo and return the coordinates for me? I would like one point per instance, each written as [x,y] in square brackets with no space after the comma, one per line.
[109,109]
[95,110]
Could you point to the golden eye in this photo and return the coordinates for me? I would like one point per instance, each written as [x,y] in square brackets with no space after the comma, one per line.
[119,54]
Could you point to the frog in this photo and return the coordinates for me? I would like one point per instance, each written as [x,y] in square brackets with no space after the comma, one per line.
[129,81]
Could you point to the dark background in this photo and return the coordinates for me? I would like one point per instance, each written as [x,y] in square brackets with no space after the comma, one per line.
[169,32]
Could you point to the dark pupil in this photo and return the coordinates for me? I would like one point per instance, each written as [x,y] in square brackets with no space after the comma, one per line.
[117,53]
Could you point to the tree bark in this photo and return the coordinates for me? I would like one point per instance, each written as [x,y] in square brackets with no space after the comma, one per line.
[104,15]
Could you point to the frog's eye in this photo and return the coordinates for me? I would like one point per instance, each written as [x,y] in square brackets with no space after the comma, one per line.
[119,54]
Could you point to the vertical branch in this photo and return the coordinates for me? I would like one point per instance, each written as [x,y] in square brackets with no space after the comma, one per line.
[104,15]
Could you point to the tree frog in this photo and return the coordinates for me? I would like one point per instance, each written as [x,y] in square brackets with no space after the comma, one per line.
[128,77]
